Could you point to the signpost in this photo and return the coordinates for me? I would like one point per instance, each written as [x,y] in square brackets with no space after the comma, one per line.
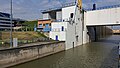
[15,42]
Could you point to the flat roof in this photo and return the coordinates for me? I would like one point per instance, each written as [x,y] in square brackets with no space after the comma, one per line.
[44,19]
[58,8]
[51,9]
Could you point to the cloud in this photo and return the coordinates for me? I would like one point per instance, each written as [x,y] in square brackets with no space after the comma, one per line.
[30,9]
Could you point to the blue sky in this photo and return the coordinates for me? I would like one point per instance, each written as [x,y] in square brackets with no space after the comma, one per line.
[30,9]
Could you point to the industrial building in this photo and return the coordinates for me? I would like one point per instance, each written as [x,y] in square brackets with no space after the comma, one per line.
[5,21]
[77,27]
[69,28]
[44,25]
[49,16]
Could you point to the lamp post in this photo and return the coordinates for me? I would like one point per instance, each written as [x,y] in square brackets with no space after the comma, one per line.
[11,17]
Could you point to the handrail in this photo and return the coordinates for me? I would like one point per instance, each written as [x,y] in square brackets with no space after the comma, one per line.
[105,7]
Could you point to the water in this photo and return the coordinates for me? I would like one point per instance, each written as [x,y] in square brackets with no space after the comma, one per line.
[102,54]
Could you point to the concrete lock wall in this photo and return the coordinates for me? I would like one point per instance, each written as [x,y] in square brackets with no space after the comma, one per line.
[74,33]
[13,56]
[86,37]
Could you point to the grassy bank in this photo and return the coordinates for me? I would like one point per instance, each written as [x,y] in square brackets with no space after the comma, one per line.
[22,35]
[23,38]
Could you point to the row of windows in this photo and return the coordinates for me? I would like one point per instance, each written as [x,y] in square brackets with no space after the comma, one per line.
[59,29]
[41,25]
[5,22]
[6,19]
[4,25]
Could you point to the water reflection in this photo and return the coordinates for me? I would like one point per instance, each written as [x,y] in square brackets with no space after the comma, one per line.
[93,55]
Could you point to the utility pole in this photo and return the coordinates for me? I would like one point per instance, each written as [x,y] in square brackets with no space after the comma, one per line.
[11,18]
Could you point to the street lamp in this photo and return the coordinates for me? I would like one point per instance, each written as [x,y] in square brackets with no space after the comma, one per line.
[11,17]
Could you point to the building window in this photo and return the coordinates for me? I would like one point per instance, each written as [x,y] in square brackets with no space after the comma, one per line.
[71,15]
[77,38]
[73,45]
[79,19]
[62,28]
[47,24]
[40,25]
[43,24]
[50,24]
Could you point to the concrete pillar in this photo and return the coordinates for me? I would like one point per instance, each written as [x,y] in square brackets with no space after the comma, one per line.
[95,31]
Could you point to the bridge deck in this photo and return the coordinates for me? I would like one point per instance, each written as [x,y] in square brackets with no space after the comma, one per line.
[109,16]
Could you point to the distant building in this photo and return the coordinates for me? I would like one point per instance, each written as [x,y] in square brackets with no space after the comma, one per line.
[44,25]
[53,14]
[49,16]
[5,21]
[116,31]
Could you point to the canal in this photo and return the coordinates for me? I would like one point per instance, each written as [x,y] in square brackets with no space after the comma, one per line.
[101,54]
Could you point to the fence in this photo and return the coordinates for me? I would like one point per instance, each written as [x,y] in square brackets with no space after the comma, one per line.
[6,43]
[20,42]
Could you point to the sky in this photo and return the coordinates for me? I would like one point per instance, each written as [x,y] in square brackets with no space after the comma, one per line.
[31,9]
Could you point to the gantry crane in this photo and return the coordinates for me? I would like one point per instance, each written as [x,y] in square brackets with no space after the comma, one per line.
[80,4]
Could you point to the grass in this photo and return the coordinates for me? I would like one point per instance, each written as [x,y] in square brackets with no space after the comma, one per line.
[22,35]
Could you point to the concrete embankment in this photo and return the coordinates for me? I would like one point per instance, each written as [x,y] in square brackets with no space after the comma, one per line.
[14,56]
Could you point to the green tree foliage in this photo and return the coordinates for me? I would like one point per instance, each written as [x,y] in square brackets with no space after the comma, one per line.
[30,25]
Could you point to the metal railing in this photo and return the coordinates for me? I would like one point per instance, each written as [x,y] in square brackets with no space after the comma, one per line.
[58,30]
[5,43]
[60,20]
[105,7]
[20,42]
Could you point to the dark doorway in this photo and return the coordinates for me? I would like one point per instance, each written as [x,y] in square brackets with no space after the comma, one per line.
[73,45]
[62,28]
[56,38]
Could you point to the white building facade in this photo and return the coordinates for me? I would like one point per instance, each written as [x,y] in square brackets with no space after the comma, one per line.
[79,28]
[71,29]
[58,31]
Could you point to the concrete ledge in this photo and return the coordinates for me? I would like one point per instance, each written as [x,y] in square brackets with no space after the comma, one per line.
[13,56]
